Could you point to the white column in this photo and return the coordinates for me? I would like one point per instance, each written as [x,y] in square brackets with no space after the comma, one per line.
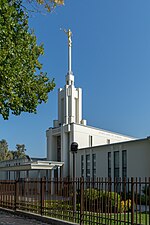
[66,106]
[80,105]
[27,174]
[69,59]
[72,105]
[49,144]
[59,105]
[39,174]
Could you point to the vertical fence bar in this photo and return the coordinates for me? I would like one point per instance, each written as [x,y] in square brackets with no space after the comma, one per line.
[139,200]
[42,194]
[149,198]
[74,185]
[81,200]
[78,199]
[15,195]
[125,202]
[1,194]
[132,201]
[136,199]
[146,195]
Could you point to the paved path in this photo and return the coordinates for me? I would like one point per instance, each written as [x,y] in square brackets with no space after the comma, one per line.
[9,218]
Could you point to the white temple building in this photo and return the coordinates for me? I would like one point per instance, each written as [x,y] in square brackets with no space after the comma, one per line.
[71,127]
[101,153]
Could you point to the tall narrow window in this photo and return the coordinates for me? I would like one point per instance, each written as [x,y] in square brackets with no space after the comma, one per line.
[82,165]
[124,163]
[108,141]
[90,141]
[76,110]
[88,166]
[94,166]
[62,110]
[109,164]
[116,164]
[8,173]
[59,148]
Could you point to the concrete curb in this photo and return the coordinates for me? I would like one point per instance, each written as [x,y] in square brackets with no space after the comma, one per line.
[44,219]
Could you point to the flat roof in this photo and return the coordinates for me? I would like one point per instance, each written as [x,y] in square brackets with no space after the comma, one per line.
[37,165]
[116,143]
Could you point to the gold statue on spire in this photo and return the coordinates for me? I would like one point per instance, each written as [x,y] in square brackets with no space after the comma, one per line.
[69,34]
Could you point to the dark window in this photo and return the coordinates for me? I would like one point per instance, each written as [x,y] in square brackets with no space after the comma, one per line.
[109,164]
[116,164]
[108,141]
[88,166]
[94,166]
[82,165]
[90,141]
[59,148]
[124,163]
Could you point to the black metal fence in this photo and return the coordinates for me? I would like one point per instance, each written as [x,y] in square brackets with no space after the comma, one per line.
[100,201]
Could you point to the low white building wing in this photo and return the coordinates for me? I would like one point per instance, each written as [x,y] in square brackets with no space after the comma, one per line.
[28,168]
[124,159]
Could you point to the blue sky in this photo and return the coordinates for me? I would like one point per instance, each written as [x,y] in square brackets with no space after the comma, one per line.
[111,63]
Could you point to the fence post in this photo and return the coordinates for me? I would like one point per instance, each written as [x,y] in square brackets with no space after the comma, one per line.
[132,201]
[74,186]
[15,196]
[81,200]
[42,181]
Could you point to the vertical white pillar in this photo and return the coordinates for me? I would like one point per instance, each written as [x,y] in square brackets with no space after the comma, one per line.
[69,58]
[72,104]
[79,105]
[27,174]
[39,174]
[49,144]
[59,105]
[66,106]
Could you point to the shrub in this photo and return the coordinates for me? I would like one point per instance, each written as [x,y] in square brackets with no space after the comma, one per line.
[57,205]
[91,194]
[100,200]
[111,201]
[146,190]
[125,205]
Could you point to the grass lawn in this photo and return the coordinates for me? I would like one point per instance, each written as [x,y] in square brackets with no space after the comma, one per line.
[90,218]
[114,219]
[65,212]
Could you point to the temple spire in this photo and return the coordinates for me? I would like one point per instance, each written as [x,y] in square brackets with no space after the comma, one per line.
[69,50]
[69,35]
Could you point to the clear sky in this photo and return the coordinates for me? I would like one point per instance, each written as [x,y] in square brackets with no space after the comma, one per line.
[111,63]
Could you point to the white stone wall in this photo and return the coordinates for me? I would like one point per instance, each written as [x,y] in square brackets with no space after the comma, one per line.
[138,155]
[69,105]
[82,135]
[99,137]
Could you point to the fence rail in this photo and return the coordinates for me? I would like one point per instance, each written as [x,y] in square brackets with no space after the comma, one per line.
[100,201]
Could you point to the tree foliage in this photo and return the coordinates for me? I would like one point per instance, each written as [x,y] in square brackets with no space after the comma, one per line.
[6,154]
[19,153]
[49,5]
[23,86]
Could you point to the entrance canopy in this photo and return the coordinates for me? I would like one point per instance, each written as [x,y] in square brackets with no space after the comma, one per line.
[36,165]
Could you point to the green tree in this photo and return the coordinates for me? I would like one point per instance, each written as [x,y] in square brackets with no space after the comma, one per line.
[19,153]
[49,5]
[5,154]
[23,86]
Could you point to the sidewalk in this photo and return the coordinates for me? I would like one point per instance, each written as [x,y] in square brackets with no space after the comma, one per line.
[9,218]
